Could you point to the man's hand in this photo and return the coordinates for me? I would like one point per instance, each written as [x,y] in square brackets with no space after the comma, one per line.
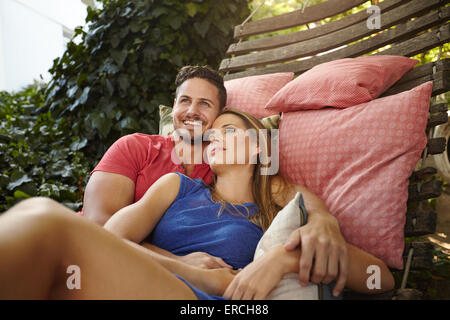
[204,260]
[324,254]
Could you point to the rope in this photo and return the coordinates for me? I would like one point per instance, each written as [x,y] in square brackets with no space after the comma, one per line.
[253,13]
[241,26]
[408,266]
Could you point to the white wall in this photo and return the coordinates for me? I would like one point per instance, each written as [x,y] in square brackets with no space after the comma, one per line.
[31,37]
[2,60]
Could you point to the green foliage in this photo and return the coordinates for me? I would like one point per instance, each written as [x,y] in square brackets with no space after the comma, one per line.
[37,155]
[434,282]
[111,83]
[108,83]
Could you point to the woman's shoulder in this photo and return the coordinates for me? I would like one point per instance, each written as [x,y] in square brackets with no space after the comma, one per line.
[188,185]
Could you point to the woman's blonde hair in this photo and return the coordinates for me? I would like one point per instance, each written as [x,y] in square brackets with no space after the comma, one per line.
[261,181]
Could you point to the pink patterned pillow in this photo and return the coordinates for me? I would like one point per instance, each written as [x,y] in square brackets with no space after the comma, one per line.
[341,83]
[250,94]
[358,160]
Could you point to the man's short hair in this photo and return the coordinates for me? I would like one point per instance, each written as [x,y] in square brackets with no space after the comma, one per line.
[206,73]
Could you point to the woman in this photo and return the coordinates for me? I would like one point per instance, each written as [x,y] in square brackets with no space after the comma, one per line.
[182,215]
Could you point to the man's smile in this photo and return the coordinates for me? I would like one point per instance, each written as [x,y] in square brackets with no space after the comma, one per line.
[193,123]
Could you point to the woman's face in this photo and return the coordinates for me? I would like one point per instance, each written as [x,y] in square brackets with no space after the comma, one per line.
[231,142]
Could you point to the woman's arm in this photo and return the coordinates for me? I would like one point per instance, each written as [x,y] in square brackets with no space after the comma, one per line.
[197,259]
[136,221]
[261,276]
[213,281]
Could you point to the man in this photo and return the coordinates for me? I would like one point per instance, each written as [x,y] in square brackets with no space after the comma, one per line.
[135,162]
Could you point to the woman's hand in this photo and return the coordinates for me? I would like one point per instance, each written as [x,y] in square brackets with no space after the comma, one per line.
[258,278]
[204,260]
[212,281]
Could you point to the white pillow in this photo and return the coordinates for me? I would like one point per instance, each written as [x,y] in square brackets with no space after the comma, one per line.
[286,221]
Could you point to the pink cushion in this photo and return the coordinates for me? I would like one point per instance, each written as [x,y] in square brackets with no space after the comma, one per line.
[358,161]
[251,94]
[341,83]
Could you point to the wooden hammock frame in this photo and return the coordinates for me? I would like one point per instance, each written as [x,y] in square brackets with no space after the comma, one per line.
[409,27]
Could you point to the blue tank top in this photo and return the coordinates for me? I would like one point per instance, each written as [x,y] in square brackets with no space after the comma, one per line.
[192,224]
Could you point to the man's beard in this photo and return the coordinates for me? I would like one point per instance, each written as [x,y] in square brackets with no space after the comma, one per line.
[192,138]
[196,139]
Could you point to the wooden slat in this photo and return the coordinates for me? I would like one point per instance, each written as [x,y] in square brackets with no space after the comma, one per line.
[422,255]
[436,145]
[440,107]
[365,46]
[428,190]
[420,223]
[421,43]
[422,174]
[295,37]
[441,84]
[329,41]
[400,87]
[436,119]
[296,18]
[426,69]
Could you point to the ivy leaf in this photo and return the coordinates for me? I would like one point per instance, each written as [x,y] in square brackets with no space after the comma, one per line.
[28,188]
[21,195]
[4,138]
[202,27]
[115,40]
[78,144]
[60,168]
[129,123]
[159,11]
[119,56]
[81,79]
[135,26]
[178,60]
[72,91]
[101,123]
[124,83]
[191,9]
[109,87]
[3,180]
[81,100]
[17,179]
[109,67]
[175,22]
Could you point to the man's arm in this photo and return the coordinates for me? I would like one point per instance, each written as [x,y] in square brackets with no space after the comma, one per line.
[324,254]
[261,276]
[105,194]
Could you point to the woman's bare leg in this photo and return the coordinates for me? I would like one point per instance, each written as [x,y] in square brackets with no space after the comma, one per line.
[40,239]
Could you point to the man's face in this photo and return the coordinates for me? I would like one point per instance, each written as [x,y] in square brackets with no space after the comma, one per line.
[196,106]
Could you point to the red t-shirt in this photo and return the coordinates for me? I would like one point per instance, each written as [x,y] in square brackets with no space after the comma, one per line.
[144,159]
